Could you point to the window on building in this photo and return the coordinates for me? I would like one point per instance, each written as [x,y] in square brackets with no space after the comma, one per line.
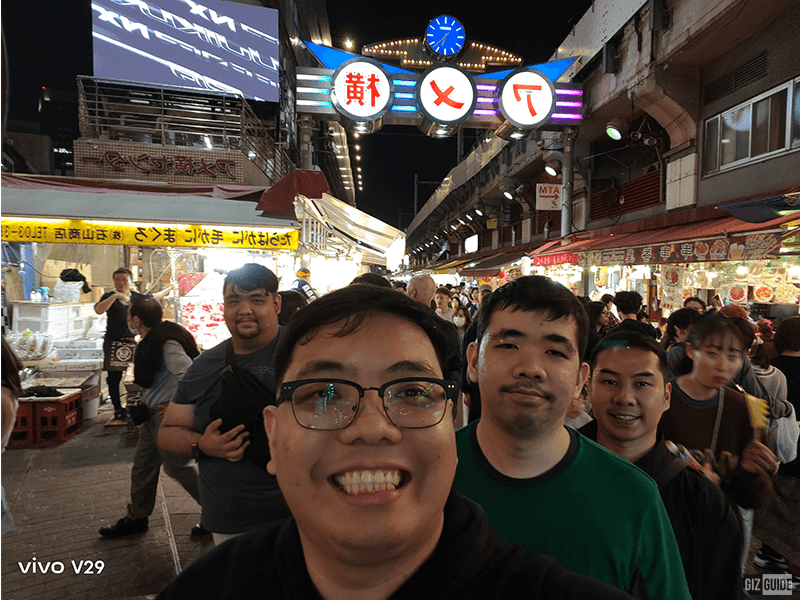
[753,129]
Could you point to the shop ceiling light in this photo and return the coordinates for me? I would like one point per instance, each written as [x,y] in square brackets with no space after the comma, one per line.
[553,167]
[617,128]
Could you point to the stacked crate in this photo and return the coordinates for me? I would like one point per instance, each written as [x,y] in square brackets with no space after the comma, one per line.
[47,421]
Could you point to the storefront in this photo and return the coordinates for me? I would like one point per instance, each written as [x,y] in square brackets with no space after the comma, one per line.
[721,261]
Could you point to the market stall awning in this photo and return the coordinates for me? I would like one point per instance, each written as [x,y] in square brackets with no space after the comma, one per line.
[492,265]
[356,226]
[280,197]
[686,243]
[453,264]
[765,208]
[137,201]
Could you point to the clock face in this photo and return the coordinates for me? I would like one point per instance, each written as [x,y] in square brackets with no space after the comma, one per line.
[445,35]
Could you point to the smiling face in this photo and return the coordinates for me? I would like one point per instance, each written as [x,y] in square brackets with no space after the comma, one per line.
[628,396]
[251,317]
[529,370]
[323,473]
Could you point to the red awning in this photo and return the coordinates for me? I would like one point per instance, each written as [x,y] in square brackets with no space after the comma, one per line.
[280,197]
[676,233]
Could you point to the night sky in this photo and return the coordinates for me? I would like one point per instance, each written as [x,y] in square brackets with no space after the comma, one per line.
[49,44]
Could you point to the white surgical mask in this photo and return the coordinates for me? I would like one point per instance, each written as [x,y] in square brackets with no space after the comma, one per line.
[459,321]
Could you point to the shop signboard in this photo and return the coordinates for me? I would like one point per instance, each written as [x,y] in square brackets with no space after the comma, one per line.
[751,247]
[548,260]
[147,234]
[548,196]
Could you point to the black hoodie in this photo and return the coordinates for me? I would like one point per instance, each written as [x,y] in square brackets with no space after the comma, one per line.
[469,562]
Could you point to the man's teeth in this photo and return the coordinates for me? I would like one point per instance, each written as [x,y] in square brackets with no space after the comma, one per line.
[625,417]
[362,482]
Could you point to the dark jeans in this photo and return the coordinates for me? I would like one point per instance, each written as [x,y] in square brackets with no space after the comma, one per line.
[113,378]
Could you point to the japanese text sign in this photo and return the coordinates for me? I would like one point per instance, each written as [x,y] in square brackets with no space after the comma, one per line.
[526,98]
[548,196]
[361,89]
[147,234]
[446,95]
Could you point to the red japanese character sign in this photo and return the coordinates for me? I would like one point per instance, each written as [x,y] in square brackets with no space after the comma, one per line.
[446,95]
[361,89]
[526,98]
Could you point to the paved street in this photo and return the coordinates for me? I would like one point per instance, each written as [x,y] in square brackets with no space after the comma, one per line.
[60,497]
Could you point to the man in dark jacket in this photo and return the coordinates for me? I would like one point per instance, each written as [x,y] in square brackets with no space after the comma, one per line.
[363,445]
[162,357]
[629,393]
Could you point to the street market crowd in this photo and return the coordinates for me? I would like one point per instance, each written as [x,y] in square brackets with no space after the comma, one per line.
[408,440]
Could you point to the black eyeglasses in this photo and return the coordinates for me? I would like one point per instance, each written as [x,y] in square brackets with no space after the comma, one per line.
[330,404]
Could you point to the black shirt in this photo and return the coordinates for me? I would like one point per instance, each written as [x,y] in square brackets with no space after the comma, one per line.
[469,563]
[704,522]
[117,325]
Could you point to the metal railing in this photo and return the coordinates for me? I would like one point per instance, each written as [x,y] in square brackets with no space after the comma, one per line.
[174,116]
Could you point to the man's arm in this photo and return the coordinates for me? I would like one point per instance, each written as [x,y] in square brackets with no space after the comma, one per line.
[104,305]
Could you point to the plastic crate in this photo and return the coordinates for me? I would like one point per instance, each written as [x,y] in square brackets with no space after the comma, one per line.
[57,421]
[23,433]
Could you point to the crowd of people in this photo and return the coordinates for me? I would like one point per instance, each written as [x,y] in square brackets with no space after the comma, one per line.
[407,440]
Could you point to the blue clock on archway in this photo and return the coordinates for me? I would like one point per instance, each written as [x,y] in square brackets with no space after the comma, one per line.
[445,36]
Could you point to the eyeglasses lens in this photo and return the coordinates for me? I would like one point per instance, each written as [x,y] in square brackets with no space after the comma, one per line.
[323,405]
[415,404]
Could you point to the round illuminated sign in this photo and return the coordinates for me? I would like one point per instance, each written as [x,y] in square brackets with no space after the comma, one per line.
[526,98]
[446,95]
[361,89]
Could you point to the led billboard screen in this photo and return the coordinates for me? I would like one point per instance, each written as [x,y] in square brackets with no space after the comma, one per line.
[209,45]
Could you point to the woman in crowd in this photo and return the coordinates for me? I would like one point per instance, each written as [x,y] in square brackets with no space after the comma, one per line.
[599,317]
[776,526]
[462,320]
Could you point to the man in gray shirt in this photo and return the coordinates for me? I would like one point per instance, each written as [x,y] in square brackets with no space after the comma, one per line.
[237,492]
[162,357]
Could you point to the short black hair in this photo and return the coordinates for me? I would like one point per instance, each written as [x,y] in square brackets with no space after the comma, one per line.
[370,278]
[291,301]
[536,293]
[628,303]
[632,339]
[787,336]
[350,306]
[606,298]
[122,270]
[148,310]
[695,299]
[251,277]
[443,290]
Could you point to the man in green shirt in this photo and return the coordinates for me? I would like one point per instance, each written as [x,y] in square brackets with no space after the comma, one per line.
[543,485]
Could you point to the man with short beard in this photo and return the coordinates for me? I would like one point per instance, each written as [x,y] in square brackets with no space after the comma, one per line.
[542,484]
[234,379]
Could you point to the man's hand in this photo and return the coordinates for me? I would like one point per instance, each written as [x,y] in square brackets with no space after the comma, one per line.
[757,459]
[229,445]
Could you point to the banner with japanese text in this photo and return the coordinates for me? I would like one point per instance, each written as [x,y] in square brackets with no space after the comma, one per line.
[147,234]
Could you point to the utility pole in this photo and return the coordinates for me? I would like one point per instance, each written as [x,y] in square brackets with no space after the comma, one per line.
[569,135]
